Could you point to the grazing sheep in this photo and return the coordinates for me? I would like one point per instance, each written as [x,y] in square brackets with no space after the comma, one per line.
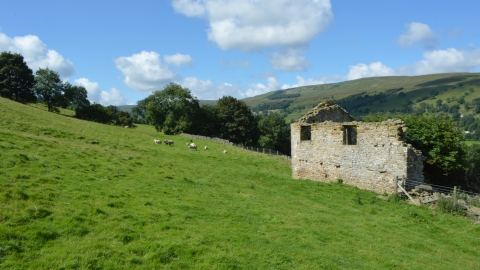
[169,142]
[206,147]
[127,127]
[192,145]
[224,151]
[157,141]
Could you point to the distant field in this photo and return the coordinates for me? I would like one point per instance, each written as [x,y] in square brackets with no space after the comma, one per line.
[81,195]
[472,142]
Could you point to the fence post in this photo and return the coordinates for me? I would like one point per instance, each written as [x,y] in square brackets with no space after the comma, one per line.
[396,185]
[455,198]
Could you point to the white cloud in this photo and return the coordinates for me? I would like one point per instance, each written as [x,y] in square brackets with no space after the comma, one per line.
[259,89]
[437,61]
[373,70]
[289,60]
[251,25]
[145,71]
[208,90]
[114,97]
[36,54]
[201,89]
[178,59]
[418,32]
[443,61]
[95,94]
[304,82]
[189,8]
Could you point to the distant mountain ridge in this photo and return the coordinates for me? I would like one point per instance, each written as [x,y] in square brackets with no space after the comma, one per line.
[373,94]
[366,95]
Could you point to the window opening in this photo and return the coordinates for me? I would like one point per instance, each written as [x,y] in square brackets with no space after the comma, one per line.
[349,135]
[306,133]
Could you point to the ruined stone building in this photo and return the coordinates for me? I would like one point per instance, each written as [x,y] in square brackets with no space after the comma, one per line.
[328,144]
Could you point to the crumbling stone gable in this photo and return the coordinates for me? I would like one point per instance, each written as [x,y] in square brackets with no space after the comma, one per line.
[366,155]
[326,111]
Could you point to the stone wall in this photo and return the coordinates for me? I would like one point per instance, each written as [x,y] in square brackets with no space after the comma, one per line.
[369,161]
[326,111]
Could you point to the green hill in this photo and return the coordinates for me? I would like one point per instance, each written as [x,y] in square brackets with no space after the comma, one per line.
[81,195]
[373,94]
[376,94]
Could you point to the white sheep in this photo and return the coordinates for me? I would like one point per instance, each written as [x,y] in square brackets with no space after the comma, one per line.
[206,147]
[192,145]
[224,151]
[157,141]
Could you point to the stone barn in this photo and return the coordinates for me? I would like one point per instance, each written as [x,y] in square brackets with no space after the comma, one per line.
[328,144]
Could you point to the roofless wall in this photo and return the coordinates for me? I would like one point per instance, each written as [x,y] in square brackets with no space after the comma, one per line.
[328,145]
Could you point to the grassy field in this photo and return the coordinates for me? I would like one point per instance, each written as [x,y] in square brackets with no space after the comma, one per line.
[472,142]
[80,195]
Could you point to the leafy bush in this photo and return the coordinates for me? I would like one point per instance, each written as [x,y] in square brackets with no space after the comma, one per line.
[395,197]
[446,205]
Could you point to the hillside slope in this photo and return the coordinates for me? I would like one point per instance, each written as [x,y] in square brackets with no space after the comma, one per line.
[390,93]
[76,194]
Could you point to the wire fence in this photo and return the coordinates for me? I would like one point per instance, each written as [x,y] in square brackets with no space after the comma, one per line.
[446,199]
[248,148]
[411,184]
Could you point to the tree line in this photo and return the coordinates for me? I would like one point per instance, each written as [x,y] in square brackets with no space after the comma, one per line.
[18,83]
[175,110]
[171,110]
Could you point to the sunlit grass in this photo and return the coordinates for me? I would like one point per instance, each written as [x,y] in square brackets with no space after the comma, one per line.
[472,142]
[81,195]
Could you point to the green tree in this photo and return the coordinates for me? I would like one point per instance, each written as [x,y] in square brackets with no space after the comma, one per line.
[274,133]
[236,121]
[49,88]
[208,119]
[16,78]
[440,141]
[439,102]
[473,164]
[172,110]
[97,113]
[139,112]
[75,98]
[123,119]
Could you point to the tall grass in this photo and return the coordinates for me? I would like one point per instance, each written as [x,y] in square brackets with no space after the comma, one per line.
[80,195]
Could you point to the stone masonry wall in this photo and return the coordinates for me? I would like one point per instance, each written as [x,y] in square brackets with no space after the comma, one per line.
[326,111]
[379,155]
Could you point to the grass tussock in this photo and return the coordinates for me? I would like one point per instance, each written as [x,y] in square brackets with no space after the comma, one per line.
[80,195]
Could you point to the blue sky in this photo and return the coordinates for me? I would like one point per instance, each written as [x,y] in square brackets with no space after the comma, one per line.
[121,51]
